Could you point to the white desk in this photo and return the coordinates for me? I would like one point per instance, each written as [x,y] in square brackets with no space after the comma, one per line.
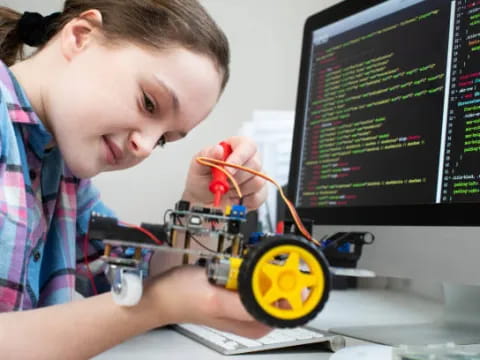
[345,308]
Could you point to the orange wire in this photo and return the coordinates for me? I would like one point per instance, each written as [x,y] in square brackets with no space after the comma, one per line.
[207,162]
[214,163]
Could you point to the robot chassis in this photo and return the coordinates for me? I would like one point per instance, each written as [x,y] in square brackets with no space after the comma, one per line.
[283,280]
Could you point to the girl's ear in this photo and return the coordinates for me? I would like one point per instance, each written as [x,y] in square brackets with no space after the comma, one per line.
[77,34]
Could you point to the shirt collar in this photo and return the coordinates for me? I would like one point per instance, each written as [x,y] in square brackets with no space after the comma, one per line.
[21,111]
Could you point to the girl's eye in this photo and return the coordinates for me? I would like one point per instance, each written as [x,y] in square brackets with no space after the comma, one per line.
[149,104]
[162,141]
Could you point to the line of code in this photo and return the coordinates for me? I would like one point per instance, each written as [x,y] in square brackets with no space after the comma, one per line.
[373,122]
[461,173]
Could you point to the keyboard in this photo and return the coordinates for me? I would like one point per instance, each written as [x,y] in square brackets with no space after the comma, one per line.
[231,344]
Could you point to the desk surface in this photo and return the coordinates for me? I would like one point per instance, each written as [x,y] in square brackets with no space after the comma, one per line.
[345,308]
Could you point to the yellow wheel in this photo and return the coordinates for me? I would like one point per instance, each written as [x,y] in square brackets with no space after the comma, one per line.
[284,281]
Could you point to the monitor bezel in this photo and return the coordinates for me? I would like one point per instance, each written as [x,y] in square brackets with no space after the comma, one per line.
[454,214]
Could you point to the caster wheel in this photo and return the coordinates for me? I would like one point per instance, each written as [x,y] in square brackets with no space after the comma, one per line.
[128,291]
[284,281]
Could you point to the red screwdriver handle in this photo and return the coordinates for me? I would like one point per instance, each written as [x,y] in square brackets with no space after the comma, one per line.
[219,184]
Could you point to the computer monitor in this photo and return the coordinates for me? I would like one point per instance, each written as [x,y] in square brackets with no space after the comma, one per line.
[387,140]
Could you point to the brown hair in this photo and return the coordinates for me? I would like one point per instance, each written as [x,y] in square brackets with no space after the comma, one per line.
[155,23]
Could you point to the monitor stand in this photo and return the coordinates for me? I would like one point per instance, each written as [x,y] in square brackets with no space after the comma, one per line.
[459,323]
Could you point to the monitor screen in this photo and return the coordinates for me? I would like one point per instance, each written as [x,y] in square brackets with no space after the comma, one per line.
[387,127]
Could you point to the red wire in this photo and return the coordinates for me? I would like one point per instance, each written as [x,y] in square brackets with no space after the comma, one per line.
[87,265]
[145,231]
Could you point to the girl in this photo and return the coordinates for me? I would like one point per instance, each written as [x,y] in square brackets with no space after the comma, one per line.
[111,81]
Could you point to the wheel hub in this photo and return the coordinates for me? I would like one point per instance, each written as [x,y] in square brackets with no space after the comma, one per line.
[287,281]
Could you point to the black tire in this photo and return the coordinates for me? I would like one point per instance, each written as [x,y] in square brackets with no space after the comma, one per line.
[245,280]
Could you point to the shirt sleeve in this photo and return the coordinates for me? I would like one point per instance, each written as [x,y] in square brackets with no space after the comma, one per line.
[88,202]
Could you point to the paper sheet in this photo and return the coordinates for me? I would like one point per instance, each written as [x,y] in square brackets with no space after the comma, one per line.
[273,133]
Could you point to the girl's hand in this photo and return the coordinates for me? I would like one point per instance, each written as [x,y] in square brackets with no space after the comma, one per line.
[184,295]
[244,152]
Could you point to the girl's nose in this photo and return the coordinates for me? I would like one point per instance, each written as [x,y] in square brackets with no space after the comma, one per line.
[140,146]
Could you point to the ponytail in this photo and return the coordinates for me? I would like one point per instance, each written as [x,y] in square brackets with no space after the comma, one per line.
[11,45]
[18,29]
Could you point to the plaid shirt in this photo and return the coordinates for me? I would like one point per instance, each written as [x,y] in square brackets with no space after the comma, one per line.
[44,208]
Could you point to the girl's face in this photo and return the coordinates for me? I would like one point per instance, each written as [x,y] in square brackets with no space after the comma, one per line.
[111,107]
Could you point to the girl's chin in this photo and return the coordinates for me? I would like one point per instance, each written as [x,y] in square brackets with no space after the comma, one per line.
[83,172]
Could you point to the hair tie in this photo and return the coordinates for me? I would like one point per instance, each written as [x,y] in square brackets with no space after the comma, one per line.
[34,29]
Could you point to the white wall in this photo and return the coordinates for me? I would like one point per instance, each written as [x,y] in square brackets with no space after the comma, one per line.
[45,7]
